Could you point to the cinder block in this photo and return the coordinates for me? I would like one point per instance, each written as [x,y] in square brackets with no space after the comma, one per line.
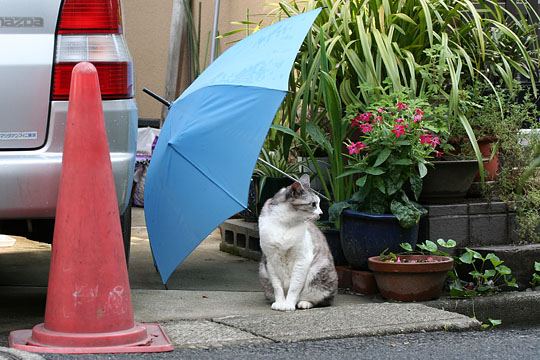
[513,233]
[254,244]
[488,229]
[227,236]
[449,227]
[446,210]
[241,238]
[494,207]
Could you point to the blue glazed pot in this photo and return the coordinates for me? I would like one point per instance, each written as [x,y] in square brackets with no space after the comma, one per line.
[364,235]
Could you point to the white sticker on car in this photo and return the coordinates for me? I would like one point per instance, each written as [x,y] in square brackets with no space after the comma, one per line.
[18,135]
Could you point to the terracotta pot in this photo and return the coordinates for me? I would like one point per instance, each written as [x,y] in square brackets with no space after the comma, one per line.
[492,166]
[418,281]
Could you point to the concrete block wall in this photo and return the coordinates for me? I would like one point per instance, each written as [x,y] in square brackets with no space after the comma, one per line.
[241,238]
[470,223]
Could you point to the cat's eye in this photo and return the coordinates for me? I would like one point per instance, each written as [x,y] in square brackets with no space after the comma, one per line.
[313,204]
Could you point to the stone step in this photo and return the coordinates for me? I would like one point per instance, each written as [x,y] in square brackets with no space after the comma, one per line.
[470,223]
[519,258]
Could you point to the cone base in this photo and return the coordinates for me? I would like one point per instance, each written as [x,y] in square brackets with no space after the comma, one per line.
[156,341]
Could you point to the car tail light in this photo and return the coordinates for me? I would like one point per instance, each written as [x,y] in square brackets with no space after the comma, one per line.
[90,17]
[90,30]
[113,78]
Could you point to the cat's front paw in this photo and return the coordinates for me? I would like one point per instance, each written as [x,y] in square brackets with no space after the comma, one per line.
[304,305]
[283,306]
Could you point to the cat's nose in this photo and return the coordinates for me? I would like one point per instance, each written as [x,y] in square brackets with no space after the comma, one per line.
[319,212]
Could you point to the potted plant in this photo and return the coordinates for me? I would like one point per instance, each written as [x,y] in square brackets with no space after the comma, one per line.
[412,277]
[484,109]
[395,46]
[388,155]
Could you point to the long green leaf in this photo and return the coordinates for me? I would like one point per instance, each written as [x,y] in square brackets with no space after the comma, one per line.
[470,133]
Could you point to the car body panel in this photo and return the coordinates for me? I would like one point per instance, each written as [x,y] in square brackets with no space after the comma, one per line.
[29,179]
[32,126]
[27,40]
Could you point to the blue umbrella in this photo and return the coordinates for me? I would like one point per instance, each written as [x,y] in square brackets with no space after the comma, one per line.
[200,171]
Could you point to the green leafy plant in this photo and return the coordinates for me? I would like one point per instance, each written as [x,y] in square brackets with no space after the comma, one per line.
[490,324]
[277,159]
[535,281]
[360,50]
[389,152]
[426,248]
[488,275]
[430,247]
[518,181]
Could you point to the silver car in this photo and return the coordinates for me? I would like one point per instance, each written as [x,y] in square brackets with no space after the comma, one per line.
[40,42]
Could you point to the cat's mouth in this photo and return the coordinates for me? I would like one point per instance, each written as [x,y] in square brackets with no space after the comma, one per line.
[314,217]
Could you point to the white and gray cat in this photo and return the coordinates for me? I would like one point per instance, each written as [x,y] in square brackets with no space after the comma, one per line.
[297,269]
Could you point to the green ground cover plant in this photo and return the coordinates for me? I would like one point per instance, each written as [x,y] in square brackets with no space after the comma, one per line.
[487,274]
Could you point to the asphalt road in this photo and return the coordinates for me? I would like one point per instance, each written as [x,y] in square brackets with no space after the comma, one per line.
[494,344]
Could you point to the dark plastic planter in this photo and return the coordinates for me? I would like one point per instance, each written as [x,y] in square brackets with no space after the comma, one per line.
[270,188]
[411,281]
[334,243]
[364,235]
[449,179]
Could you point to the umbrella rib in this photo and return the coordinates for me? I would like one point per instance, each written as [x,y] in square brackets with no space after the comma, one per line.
[209,178]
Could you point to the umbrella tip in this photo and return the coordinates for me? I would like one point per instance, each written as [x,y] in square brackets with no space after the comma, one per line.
[157,97]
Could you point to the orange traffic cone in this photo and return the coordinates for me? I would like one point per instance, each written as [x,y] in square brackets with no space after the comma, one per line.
[88,299]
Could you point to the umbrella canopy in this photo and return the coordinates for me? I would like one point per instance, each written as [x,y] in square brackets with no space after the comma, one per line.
[200,171]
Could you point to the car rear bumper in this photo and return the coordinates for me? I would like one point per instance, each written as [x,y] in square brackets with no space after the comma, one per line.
[29,179]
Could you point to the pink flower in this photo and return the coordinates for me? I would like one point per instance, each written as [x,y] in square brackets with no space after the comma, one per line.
[430,140]
[398,260]
[418,115]
[439,154]
[366,128]
[356,121]
[401,106]
[398,130]
[378,119]
[360,119]
[380,110]
[399,120]
[356,148]
[435,141]
[425,139]
[366,116]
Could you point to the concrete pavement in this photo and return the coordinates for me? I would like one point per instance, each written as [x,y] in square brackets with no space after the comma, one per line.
[214,300]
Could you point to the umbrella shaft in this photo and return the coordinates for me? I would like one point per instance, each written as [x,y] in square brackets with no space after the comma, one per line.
[214,31]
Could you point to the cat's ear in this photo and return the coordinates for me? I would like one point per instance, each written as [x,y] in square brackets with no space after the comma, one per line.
[298,187]
[304,181]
